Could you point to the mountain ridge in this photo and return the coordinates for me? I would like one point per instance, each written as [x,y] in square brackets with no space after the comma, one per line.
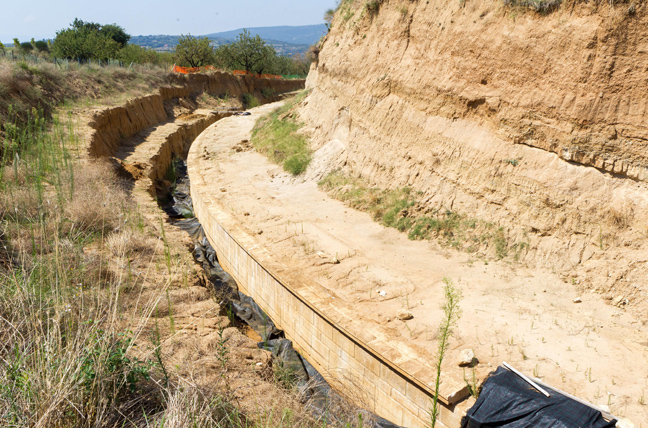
[286,40]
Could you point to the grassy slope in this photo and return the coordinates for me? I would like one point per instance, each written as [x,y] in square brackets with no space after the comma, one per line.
[276,136]
[402,209]
[24,87]
[82,342]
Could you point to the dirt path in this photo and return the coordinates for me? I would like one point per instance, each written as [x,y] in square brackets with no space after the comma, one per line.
[527,317]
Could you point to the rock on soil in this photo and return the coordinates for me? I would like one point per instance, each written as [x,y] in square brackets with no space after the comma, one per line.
[404,315]
[466,357]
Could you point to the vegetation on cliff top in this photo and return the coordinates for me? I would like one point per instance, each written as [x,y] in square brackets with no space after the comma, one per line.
[41,87]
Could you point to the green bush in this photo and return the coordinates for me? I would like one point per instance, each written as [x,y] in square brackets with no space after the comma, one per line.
[41,46]
[250,101]
[26,47]
[89,40]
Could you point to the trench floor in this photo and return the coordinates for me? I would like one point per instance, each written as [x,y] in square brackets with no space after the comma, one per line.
[526,317]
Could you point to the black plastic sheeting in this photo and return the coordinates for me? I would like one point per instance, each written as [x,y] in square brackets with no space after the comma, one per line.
[507,401]
[179,204]
[313,389]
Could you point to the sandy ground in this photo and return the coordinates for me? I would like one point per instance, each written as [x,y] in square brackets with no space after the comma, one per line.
[526,317]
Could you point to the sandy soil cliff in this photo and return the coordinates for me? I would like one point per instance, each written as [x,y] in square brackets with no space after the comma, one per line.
[534,122]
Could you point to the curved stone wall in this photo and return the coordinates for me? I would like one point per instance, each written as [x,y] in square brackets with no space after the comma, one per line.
[344,360]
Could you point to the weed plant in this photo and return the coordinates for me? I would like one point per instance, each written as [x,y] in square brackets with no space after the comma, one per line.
[276,136]
[250,101]
[542,6]
[451,314]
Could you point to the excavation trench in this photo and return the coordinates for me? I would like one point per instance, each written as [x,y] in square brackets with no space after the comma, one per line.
[147,140]
[346,348]
[336,282]
[313,390]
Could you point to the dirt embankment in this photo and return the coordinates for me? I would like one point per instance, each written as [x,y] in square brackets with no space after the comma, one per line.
[114,124]
[144,134]
[536,123]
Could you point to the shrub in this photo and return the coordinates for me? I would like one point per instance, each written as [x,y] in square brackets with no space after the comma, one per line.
[26,47]
[41,46]
[250,101]
[373,6]
[89,40]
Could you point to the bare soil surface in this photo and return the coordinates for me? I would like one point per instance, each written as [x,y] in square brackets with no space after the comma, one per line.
[528,317]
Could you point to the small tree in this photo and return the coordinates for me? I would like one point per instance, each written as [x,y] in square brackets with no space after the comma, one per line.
[86,40]
[2,48]
[26,48]
[248,53]
[193,51]
[328,18]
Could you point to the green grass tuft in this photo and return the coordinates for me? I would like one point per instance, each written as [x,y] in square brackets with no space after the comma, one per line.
[277,137]
[401,209]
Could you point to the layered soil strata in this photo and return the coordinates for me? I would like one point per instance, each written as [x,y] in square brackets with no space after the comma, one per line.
[536,123]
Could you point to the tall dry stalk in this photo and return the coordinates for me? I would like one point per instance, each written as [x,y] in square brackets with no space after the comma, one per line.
[451,314]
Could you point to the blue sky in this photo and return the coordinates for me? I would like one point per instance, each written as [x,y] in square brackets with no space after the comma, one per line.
[42,18]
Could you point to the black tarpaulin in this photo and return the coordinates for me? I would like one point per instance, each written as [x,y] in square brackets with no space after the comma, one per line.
[315,392]
[508,401]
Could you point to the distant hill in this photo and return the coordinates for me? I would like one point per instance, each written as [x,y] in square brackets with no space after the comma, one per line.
[298,35]
[285,39]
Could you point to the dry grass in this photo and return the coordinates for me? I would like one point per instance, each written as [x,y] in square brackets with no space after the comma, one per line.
[100,199]
[619,218]
[128,242]
[64,350]
[45,86]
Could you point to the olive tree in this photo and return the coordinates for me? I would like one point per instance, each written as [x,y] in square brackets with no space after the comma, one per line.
[248,53]
[193,51]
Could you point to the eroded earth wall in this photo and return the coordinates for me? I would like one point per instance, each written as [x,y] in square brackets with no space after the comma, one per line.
[112,125]
[535,122]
